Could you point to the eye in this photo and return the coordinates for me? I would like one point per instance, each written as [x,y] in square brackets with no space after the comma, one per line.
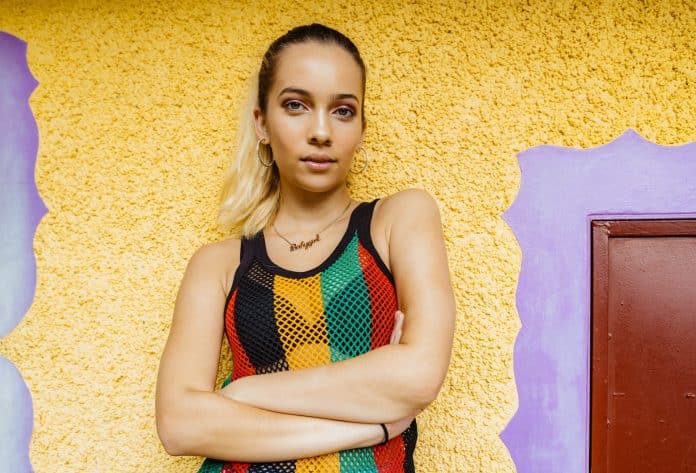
[294,105]
[345,112]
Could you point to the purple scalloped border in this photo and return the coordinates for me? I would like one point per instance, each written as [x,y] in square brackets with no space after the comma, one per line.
[562,190]
[20,213]
[22,207]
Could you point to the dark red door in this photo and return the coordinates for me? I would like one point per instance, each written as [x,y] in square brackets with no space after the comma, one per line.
[643,347]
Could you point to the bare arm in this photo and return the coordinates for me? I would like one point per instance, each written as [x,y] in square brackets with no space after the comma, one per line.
[192,419]
[396,380]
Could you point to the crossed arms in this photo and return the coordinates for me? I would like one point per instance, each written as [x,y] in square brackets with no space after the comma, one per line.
[285,415]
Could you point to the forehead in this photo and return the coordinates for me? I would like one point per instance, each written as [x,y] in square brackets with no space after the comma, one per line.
[318,68]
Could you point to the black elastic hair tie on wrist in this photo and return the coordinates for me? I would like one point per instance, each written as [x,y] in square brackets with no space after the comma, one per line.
[386,434]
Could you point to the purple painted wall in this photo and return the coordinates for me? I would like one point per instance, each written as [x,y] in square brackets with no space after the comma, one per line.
[562,190]
[21,210]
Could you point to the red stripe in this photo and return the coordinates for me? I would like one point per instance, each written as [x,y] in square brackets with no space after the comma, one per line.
[235,468]
[241,364]
[383,303]
[389,458]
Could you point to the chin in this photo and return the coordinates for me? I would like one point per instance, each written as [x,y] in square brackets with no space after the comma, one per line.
[320,184]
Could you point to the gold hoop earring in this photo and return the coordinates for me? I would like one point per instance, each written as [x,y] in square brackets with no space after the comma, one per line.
[367,160]
[258,155]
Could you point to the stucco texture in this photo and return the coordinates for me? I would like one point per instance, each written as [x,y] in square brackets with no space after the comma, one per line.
[137,106]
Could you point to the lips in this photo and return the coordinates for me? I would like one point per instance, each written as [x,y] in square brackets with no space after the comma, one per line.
[318,162]
[318,158]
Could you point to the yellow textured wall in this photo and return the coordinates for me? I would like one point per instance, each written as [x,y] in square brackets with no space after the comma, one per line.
[136,109]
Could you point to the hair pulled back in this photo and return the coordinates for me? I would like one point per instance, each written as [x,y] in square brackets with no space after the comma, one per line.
[250,191]
[301,34]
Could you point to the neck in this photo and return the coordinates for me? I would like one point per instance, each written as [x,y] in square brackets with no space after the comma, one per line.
[307,211]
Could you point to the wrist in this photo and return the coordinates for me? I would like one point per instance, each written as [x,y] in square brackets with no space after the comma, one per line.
[385,436]
[374,435]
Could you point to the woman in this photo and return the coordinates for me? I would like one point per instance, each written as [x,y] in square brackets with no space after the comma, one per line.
[328,375]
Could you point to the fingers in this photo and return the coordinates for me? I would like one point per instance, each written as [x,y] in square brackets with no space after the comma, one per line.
[398,326]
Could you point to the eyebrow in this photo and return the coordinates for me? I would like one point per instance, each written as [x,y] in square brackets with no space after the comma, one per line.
[304,93]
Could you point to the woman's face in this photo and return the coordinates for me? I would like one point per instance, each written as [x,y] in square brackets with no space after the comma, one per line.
[313,117]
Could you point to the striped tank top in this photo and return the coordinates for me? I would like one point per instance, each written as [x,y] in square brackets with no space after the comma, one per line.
[278,320]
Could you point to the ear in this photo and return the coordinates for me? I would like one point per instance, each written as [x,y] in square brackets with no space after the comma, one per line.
[260,125]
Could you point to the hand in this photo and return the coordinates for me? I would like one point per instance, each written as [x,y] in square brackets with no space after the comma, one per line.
[398,326]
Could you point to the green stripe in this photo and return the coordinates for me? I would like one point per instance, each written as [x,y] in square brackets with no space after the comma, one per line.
[347,305]
[349,323]
[211,466]
[358,460]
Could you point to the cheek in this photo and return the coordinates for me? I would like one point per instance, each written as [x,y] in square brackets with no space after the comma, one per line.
[282,139]
[350,135]
[287,131]
[286,143]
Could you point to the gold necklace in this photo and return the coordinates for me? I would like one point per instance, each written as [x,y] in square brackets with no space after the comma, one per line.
[305,245]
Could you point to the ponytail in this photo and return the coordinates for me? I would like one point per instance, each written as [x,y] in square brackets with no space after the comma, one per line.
[250,192]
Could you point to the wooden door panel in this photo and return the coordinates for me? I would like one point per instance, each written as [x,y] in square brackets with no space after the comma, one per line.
[644,348]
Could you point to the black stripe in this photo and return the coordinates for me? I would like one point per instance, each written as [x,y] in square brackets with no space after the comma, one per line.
[255,321]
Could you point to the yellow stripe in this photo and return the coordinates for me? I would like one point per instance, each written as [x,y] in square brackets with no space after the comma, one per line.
[330,463]
[301,321]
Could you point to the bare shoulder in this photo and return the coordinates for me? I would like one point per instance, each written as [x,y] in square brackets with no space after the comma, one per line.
[217,252]
[407,206]
[215,261]
[398,215]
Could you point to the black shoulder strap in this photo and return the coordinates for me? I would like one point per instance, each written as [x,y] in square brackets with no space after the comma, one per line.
[364,222]
[247,250]
[251,247]
[364,219]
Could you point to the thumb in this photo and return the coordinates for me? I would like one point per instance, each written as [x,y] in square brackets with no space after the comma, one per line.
[398,326]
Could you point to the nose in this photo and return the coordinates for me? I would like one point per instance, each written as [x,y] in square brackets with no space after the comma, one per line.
[320,128]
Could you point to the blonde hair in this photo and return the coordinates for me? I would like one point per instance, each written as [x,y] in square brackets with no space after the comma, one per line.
[250,191]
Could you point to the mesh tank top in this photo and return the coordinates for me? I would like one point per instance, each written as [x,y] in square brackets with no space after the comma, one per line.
[278,320]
